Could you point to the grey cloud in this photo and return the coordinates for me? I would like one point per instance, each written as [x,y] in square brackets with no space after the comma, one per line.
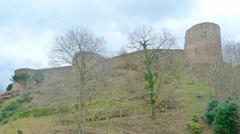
[90,12]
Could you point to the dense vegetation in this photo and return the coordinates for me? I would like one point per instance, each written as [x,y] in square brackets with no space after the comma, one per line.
[223,116]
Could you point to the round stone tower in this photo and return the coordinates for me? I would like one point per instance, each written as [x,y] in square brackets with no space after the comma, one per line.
[203,44]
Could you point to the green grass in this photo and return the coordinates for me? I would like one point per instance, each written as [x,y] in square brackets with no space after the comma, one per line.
[102,109]
[30,125]
[12,106]
[17,108]
[35,112]
[193,97]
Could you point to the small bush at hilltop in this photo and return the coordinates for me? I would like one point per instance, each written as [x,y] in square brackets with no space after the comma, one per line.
[222,115]
[9,87]
[21,77]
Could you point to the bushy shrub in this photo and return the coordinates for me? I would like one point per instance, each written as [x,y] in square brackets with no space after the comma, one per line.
[38,77]
[225,115]
[222,115]
[209,114]
[194,125]
[9,87]
[21,77]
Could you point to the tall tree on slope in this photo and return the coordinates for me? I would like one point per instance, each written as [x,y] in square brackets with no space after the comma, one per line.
[73,48]
[145,39]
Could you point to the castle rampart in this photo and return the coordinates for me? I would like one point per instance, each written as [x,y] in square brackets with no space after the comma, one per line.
[202,45]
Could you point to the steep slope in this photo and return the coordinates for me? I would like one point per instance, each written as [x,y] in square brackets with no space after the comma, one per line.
[119,103]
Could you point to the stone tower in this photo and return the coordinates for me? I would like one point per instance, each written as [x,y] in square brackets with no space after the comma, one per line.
[203,44]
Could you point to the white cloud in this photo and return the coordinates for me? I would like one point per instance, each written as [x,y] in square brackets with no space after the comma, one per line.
[226,13]
[19,44]
[220,8]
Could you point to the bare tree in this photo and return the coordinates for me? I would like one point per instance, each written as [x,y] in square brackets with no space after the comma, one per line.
[145,39]
[224,77]
[231,55]
[74,48]
[78,40]
[145,36]
[231,52]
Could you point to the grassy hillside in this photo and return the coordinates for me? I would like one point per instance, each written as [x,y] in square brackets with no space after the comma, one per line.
[119,104]
[129,115]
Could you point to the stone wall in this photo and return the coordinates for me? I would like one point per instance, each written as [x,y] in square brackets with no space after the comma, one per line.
[202,45]
[134,60]
[50,75]
[59,74]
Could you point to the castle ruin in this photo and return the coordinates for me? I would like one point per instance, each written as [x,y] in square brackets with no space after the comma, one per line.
[202,45]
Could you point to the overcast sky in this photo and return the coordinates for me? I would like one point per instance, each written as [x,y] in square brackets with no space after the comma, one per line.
[28,26]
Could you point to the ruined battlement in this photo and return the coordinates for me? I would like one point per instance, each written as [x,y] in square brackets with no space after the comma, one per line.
[202,45]
[24,70]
